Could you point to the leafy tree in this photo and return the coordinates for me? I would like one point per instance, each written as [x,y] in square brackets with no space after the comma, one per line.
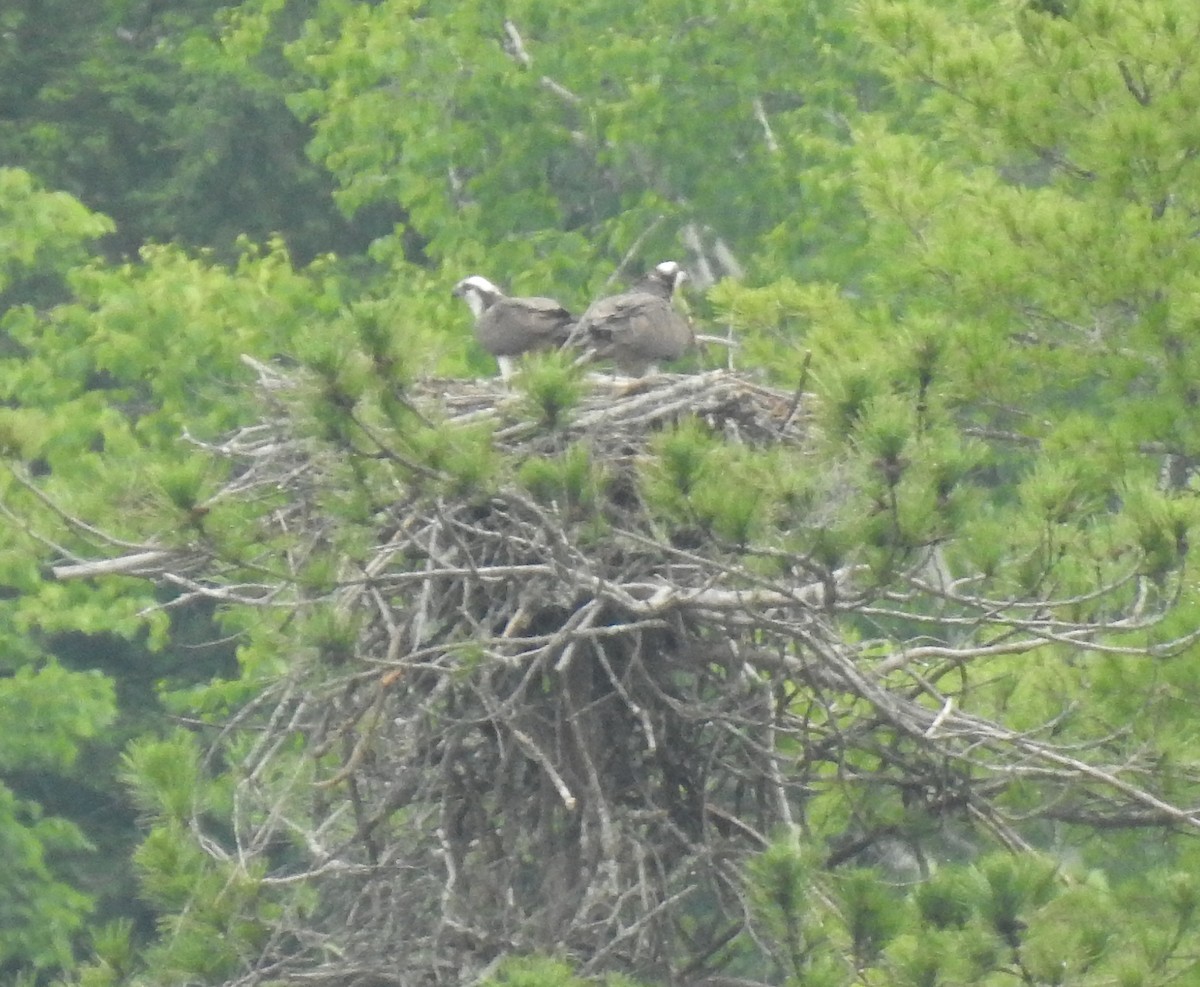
[541,139]
[135,109]
[884,683]
[98,393]
[47,712]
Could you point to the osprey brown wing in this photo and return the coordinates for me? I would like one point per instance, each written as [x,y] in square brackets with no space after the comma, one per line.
[640,328]
[511,326]
[507,327]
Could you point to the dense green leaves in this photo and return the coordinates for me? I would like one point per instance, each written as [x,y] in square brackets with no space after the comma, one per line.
[543,139]
[39,915]
[45,233]
[135,108]
[102,384]
[966,230]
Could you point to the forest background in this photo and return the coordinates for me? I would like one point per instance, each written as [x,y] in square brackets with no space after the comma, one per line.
[966,231]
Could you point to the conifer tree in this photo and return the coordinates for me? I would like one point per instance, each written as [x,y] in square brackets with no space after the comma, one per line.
[875,673]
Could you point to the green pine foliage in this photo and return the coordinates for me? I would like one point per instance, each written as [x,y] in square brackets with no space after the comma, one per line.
[572,481]
[987,922]
[551,385]
[736,496]
[544,972]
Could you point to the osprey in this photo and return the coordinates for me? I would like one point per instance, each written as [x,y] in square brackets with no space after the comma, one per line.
[640,327]
[507,327]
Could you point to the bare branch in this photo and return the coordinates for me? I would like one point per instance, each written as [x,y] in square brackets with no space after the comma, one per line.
[515,46]
[148,563]
[634,248]
[760,114]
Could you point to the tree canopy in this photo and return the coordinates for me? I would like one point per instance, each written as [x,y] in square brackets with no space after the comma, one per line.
[861,653]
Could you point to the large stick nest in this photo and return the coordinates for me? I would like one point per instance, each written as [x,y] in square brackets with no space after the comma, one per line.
[553,736]
[539,724]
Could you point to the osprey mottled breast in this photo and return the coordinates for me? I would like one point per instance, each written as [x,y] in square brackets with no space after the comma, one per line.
[640,327]
[507,327]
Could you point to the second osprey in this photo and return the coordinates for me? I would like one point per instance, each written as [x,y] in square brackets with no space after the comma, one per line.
[640,327]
